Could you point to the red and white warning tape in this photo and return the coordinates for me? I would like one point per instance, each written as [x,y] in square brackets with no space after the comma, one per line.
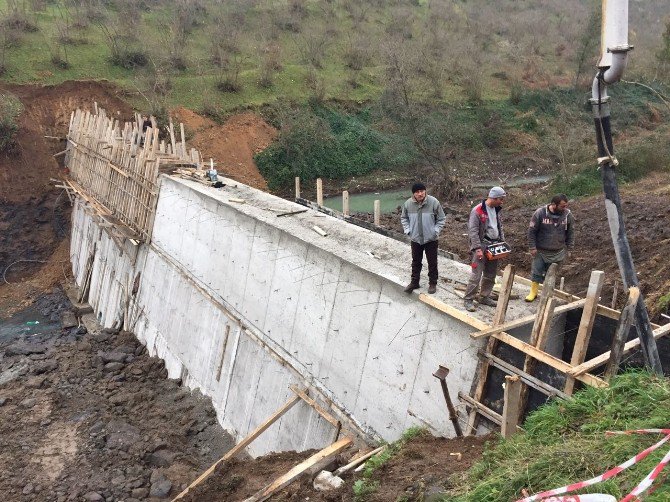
[592,497]
[610,473]
[638,431]
[649,480]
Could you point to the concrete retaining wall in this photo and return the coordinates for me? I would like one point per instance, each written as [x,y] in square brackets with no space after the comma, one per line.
[241,304]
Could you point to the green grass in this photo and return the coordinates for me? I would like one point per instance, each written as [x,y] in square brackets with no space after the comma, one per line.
[565,442]
[10,109]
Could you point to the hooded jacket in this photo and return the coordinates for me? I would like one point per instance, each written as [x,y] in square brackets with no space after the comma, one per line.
[479,219]
[551,231]
[422,222]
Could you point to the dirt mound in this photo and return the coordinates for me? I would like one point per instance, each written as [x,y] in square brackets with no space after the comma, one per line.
[34,215]
[232,145]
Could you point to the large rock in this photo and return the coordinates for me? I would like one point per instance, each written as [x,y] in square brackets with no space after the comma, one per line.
[121,435]
[160,485]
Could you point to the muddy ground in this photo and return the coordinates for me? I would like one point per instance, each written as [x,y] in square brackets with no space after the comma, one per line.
[86,414]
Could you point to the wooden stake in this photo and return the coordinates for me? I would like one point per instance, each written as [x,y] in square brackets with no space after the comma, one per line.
[621,333]
[345,203]
[310,464]
[492,343]
[319,192]
[615,292]
[377,212]
[512,406]
[562,284]
[585,325]
[297,187]
[242,444]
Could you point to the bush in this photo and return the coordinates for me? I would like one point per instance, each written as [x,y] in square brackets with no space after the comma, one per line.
[321,142]
[129,59]
[10,109]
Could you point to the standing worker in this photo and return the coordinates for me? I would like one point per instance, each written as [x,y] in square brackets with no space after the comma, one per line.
[484,228]
[422,219]
[550,237]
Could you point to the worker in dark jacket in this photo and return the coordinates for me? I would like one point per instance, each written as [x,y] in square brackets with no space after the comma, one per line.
[422,219]
[484,228]
[550,237]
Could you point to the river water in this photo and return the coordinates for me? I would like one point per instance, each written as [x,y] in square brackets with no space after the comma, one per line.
[391,199]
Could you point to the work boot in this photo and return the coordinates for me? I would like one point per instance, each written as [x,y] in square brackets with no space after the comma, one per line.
[432,289]
[487,300]
[469,305]
[533,291]
[411,287]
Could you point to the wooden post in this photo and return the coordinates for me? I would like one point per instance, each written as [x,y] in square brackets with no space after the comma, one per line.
[615,292]
[621,333]
[484,365]
[585,325]
[319,192]
[562,284]
[345,203]
[297,187]
[243,444]
[511,407]
[377,212]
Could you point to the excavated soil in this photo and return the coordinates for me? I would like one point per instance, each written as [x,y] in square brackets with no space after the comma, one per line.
[87,415]
[420,469]
[34,214]
[231,145]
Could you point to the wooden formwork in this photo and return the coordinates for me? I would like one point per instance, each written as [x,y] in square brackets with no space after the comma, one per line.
[115,167]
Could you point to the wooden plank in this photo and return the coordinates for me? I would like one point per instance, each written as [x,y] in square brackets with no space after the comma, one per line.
[621,333]
[522,321]
[585,325]
[242,444]
[548,359]
[545,295]
[345,203]
[297,471]
[536,383]
[512,406]
[320,231]
[452,311]
[319,192]
[483,366]
[603,358]
[539,341]
[602,310]
[505,292]
[303,395]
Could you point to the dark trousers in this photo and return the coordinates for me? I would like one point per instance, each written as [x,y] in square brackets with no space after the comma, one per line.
[430,248]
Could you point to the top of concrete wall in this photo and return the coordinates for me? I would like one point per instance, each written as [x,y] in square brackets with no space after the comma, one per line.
[364,248]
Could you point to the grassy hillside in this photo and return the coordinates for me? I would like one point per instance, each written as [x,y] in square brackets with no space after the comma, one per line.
[565,442]
[230,54]
[456,89]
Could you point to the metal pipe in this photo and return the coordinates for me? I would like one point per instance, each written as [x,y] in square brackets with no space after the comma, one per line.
[613,59]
